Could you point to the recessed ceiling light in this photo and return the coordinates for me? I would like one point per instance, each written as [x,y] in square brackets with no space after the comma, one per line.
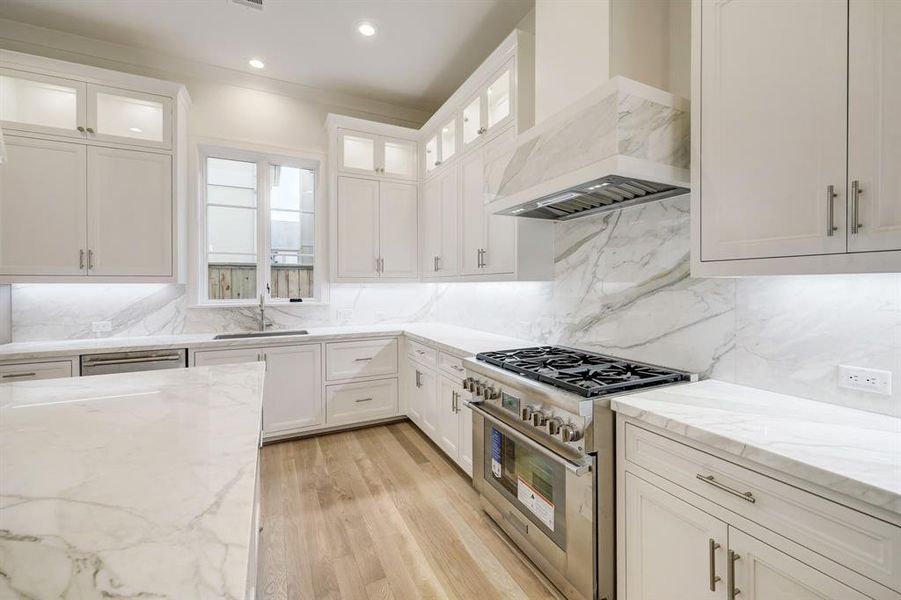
[366,28]
[256,63]
[136,129]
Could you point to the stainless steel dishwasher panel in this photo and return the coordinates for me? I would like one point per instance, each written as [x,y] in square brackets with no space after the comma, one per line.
[129,362]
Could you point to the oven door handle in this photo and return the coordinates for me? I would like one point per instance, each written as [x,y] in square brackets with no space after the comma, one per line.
[577,469]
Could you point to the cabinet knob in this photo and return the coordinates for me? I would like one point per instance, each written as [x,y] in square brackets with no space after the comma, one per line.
[80,128]
[90,130]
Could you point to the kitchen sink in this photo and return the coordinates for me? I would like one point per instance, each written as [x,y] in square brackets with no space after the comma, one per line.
[260,334]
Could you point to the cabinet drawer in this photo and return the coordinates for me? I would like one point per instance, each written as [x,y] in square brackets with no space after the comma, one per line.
[451,365]
[365,358]
[860,542]
[35,371]
[422,353]
[357,402]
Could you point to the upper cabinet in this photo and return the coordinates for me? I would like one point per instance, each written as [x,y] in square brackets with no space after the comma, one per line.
[376,155]
[793,137]
[91,188]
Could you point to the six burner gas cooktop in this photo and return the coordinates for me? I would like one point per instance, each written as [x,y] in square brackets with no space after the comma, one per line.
[584,373]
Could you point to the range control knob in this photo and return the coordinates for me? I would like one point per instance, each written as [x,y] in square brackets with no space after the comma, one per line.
[538,418]
[553,425]
[526,413]
[480,388]
[568,433]
[466,383]
[491,393]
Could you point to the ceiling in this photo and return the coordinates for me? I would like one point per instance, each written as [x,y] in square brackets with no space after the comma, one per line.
[423,49]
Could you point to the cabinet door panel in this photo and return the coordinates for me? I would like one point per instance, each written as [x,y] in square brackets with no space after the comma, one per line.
[448,420]
[358,402]
[472,217]
[43,208]
[293,392]
[764,573]
[431,227]
[358,227]
[357,152]
[398,158]
[874,94]
[668,547]
[129,117]
[773,130]
[427,399]
[499,99]
[500,244]
[129,212]
[447,258]
[41,104]
[465,450]
[35,371]
[398,229]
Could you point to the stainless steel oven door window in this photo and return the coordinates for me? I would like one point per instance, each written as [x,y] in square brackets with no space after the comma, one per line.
[533,482]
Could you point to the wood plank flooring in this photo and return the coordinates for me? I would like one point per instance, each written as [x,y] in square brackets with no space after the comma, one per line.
[380,513]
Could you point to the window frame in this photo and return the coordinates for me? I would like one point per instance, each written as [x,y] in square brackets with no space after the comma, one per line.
[263,160]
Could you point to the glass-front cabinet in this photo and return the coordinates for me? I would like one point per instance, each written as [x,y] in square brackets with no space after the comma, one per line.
[472,121]
[432,160]
[31,102]
[375,155]
[448,140]
[128,117]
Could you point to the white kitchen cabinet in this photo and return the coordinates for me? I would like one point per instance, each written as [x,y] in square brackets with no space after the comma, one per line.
[128,117]
[361,358]
[488,240]
[43,208]
[773,128]
[794,132]
[376,155]
[874,127]
[439,225]
[464,457]
[425,398]
[292,395]
[668,547]
[764,573]
[359,402]
[130,213]
[447,420]
[35,371]
[377,225]
[398,227]
[37,103]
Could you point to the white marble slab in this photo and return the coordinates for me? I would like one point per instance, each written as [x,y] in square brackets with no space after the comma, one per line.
[456,340]
[137,485]
[850,452]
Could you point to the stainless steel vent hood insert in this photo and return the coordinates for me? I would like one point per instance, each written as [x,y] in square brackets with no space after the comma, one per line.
[623,144]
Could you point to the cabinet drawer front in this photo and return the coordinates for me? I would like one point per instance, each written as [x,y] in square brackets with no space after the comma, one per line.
[860,542]
[451,365]
[366,358]
[35,371]
[358,402]
[421,353]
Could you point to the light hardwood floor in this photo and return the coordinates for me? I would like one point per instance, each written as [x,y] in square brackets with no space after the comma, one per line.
[380,513]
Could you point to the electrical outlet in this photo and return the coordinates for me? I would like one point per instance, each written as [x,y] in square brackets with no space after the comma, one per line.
[345,314]
[102,326]
[862,379]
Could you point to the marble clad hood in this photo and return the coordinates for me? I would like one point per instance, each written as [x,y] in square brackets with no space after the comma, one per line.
[625,143]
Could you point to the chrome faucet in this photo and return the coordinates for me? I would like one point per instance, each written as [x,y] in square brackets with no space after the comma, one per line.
[263,323]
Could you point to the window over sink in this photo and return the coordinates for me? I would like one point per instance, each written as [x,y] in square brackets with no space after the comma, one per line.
[259,227]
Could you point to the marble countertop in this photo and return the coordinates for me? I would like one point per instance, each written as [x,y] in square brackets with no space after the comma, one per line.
[136,485]
[850,452]
[450,338]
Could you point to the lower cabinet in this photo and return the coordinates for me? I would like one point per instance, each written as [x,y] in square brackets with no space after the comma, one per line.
[454,423]
[424,397]
[292,396]
[35,371]
[695,526]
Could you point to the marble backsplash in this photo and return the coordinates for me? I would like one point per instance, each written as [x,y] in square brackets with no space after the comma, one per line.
[621,286]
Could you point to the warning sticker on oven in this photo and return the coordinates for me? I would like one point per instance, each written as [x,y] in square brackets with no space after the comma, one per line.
[540,506]
[496,444]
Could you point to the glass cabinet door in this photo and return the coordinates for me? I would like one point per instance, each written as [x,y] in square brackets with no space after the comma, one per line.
[431,154]
[398,158]
[41,104]
[472,121]
[357,152]
[448,140]
[129,117]
[499,99]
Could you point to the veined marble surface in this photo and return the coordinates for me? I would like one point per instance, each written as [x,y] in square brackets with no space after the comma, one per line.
[851,452]
[138,485]
[455,340]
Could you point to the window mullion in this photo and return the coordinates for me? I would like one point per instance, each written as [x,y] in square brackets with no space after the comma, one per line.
[263,228]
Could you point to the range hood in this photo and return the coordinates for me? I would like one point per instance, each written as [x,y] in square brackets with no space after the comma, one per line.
[623,144]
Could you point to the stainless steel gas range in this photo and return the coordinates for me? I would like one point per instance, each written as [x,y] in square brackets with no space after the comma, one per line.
[543,455]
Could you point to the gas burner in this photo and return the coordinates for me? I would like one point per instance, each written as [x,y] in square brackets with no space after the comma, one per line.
[585,373]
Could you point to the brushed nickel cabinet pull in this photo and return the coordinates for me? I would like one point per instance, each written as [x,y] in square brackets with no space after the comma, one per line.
[746,496]
[418,379]
[730,575]
[81,259]
[14,375]
[712,547]
[90,130]
[856,191]
[90,259]
[830,210]
[363,400]
[363,359]
[80,128]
